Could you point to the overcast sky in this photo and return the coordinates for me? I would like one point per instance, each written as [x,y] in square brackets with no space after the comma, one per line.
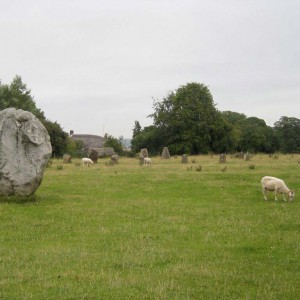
[95,66]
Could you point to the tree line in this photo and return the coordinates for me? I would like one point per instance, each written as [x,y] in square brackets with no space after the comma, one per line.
[186,121]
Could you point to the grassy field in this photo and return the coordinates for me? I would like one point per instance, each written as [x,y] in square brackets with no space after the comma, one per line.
[165,231]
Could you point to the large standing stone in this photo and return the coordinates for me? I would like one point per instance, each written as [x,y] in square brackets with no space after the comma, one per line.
[93,155]
[25,149]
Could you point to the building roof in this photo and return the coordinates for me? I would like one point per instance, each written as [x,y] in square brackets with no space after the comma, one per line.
[89,140]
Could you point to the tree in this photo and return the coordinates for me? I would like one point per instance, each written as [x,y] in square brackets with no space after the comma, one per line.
[189,122]
[233,117]
[149,138]
[115,143]
[17,95]
[256,136]
[74,147]
[137,129]
[58,138]
[287,130]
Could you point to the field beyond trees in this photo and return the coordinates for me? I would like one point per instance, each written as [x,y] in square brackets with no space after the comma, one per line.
[165,231]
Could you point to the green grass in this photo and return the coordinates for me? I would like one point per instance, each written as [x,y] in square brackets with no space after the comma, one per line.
[164,231]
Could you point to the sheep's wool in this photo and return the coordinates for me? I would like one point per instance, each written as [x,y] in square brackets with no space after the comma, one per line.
[25,149]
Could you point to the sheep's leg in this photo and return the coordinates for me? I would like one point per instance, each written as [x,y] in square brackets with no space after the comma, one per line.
[276,196]
[283,197]
[265,194]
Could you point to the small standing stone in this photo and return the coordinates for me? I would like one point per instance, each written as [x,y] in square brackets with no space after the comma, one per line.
[143,154]
[222,158]
[165,153]
[114,158]
[184,159]
[247,156]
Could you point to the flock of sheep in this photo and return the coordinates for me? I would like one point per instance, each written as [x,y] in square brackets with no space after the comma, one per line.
[269,183]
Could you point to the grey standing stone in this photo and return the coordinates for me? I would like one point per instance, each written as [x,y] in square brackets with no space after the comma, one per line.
[25,149]
[115,158]
[184,159]
[143,153]
[247,156]
[165,153]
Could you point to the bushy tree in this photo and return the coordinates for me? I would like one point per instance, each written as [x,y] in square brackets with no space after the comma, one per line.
[150,138]
[18,96]
[114,143]
[287,131]
[189,122]
[256,136]
[74,147]
[57,136]
[233,117]
[136,129]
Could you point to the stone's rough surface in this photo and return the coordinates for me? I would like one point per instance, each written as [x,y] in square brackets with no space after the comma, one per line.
[114,158]
[165,153]
[25,149]
[247,157]
[143,154]
[184,159]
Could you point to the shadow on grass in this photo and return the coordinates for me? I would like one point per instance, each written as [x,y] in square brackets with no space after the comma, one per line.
[20,199]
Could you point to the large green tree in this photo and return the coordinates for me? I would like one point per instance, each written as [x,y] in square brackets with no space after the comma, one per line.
[17,95]
[287,131]
[148,137]
[256,136]
[189,122]
[233,117]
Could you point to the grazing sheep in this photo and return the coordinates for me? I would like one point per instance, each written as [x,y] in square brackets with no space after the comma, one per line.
[147,161]
[276,185]
[87,161]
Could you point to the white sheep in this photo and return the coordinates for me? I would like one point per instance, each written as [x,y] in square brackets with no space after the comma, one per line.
[87,161]
[147,161]
[276,185]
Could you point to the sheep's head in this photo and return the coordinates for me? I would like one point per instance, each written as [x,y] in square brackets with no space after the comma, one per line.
[291,195]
